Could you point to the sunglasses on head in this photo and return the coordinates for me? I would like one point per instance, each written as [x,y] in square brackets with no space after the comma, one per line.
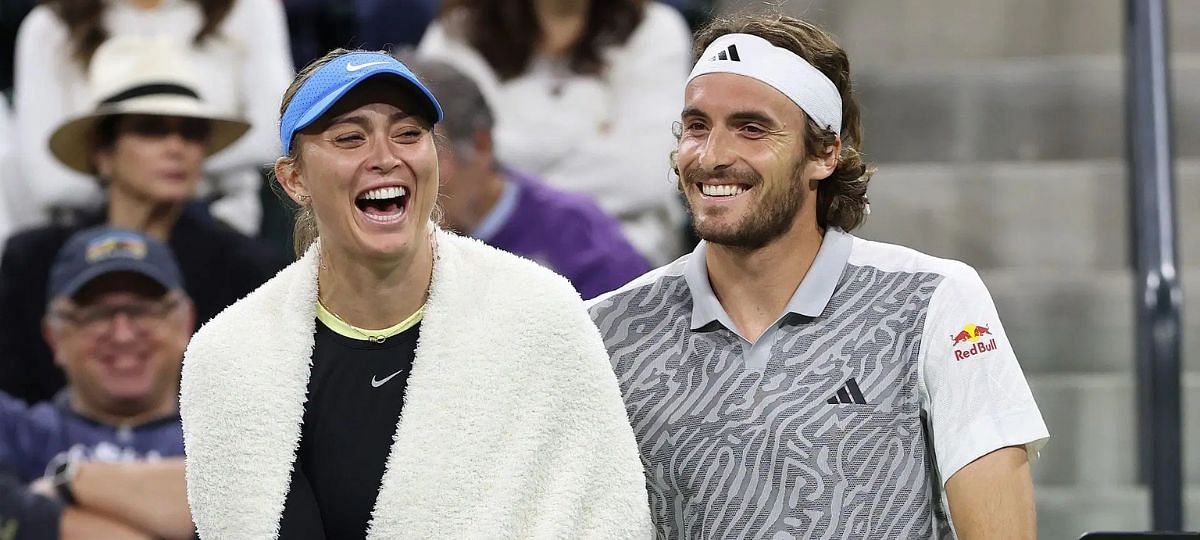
[191,129]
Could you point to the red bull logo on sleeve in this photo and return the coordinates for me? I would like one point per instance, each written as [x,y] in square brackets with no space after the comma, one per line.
[973,334]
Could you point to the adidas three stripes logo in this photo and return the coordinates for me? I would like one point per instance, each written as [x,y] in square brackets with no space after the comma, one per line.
[730,53]
[848,394]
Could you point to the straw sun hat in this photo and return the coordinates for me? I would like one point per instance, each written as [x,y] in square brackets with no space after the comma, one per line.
[137,75]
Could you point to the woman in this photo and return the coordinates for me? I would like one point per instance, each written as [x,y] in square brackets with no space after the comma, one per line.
[312,406]
[143,145]
[241,46]
[584,93]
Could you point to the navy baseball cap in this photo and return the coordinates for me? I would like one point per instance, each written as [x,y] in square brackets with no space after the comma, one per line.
[98,251]
[331,81]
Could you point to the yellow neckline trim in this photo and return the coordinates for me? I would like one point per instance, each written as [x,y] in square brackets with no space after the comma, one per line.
[362,334]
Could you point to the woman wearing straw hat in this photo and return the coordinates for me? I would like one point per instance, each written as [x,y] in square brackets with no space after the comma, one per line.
[145,141]
[399,381]
[241,47]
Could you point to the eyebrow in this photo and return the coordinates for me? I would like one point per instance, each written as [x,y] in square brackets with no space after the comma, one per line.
[692,111]
[745,116]
[753,116]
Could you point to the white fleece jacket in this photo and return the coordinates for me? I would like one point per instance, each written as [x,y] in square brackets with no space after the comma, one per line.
[513,425]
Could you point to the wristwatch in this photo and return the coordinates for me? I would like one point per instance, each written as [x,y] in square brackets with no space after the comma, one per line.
[64,474]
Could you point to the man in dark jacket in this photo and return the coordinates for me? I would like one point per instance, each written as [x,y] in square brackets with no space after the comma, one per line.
[106,453]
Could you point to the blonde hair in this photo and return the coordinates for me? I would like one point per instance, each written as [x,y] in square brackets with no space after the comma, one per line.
[304,228]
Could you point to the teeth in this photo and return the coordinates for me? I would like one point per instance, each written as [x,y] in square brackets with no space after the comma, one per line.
[723,190]
[384,193]
[385,219]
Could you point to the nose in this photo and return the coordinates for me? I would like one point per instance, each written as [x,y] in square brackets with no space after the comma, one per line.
[384,156]
[123,328]
[717,151]
[175,141]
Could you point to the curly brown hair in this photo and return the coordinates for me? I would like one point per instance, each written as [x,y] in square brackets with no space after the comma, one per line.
[842,197]
[84,20]
[506,32]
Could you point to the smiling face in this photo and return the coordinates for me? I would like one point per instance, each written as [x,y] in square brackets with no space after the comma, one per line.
[370,170]
[742,163]
[120,342]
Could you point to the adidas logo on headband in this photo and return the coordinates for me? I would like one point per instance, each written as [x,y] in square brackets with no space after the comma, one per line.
[780,69]
[729,53]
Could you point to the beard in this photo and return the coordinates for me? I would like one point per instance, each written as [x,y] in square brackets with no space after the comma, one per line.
[769,215]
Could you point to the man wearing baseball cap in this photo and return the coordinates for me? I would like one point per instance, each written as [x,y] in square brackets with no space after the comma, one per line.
[109,447]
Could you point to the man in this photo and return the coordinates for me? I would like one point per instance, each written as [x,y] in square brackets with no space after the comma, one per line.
[786,378]
[565,232]
[109,447]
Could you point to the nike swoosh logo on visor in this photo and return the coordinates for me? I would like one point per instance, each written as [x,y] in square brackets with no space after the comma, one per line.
[355,67]
[377,384]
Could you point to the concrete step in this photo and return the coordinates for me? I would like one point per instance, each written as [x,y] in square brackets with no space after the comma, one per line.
[1050,108]
[1093,435]
[1066,322]
[1066,513]
[936,31]
[1065,216]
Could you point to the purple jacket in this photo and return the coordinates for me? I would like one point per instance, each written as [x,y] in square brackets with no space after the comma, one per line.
[34,439]
[565,232]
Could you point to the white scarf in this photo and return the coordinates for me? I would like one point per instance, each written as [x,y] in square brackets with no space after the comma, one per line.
[512,427]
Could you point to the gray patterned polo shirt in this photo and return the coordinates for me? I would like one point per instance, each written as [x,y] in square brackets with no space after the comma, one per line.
[888,372]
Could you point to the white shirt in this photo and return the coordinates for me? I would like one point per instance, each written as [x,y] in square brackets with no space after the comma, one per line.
[607,136]
[243,70]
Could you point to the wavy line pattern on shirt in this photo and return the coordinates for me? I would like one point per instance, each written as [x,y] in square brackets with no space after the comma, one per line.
[737,452]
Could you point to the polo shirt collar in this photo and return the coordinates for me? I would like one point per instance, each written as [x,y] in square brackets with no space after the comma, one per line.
[810,298]
[499,215]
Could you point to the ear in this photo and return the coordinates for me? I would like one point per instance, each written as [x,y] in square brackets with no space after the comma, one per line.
[289,178]
[482,142]
[820,168]
[189,315]
[50,333]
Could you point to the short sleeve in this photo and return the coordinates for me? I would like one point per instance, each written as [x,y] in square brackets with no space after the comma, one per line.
[973,390]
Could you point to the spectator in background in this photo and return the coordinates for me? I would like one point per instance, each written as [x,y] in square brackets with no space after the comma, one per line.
[317,26]
[563,231]
[240,46]
[584,93]
[118,322]
[147,150]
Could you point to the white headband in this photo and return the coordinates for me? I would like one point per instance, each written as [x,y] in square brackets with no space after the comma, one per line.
[783,70]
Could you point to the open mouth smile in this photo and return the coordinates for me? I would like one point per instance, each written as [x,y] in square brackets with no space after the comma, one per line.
[383,204]
[723,191]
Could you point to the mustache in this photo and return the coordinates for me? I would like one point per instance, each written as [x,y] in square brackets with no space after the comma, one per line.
[729,176]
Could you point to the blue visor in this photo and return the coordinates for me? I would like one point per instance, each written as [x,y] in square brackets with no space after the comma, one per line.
[331,81]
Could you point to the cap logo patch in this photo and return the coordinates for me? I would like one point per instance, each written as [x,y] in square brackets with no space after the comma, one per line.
[111,247]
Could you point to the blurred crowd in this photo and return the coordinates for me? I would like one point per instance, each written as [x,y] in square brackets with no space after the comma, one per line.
[135,203]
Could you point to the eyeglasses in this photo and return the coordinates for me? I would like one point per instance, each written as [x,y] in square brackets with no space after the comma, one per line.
[191,129]
[99,319]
